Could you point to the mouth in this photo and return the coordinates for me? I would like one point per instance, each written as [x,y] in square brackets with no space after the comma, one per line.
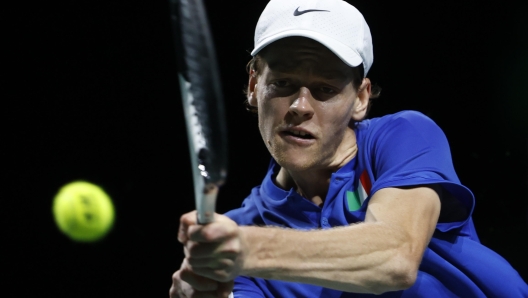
[298,134]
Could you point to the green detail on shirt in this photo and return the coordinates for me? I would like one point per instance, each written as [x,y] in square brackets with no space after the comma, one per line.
[353,200]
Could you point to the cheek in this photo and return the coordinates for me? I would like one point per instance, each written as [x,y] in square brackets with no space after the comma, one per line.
[271,113]
[345,117]
[336,115]
[264,122]
[270,109]
[266,130]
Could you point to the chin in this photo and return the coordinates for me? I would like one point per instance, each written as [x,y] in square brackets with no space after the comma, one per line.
[295,164]
[295,158]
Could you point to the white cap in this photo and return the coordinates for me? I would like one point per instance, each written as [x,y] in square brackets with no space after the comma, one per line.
[334,23]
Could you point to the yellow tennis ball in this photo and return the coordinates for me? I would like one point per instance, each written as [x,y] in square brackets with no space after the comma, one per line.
[83,211]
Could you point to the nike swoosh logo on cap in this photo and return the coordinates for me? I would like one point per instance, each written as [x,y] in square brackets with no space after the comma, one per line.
[298,13]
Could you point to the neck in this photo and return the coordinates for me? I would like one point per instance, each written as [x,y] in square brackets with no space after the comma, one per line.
[312,184]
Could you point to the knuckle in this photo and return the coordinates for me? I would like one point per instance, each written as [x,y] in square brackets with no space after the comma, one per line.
[193,262]
[221,276]
[208,235]
[175,293]
[194,232]
[225,264]
[229,229]
[193,248]
[185,275]
[233,229]
[233,247]
[176,275]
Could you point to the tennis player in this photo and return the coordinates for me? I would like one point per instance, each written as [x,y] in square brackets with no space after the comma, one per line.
[350,207]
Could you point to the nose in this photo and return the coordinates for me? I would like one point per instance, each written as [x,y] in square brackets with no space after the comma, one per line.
[301,106]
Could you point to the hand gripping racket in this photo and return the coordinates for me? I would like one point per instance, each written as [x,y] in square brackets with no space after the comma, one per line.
[202,103]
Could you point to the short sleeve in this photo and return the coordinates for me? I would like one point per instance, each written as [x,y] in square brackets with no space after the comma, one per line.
[248,214]
[407,149]
[246,288]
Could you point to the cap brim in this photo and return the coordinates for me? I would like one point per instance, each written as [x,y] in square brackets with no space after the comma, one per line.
[345,53]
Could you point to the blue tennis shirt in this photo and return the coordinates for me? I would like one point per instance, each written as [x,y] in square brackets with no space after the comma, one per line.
[402,149]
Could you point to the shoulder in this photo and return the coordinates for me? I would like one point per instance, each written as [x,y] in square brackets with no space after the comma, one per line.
[248,213]
[412,118]
[404,126]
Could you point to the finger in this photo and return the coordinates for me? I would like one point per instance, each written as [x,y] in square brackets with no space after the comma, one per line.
[197,294]
[211,263]
[213,232]
[219,275]
[225,288]
[208,294]
[186,220]
[199,283]
[201,250]
[189,218]
[196,281]
[179,288]
[173,292]
[228,249]
[186,251]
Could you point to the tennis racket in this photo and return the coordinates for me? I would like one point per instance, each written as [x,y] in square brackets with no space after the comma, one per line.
[202,100]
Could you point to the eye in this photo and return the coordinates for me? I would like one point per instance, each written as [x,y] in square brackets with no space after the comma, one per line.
[281,84]
[327,90]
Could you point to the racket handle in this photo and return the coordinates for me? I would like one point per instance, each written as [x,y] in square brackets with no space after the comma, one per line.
[205,205]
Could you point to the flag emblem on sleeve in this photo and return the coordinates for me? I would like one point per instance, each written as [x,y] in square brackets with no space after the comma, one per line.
[356,198]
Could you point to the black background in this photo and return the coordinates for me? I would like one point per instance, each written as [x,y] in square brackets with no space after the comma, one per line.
[92,94]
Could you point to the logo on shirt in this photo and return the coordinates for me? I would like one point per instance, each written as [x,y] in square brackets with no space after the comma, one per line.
[356,198]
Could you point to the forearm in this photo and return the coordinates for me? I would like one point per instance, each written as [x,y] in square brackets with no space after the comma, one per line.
[369,258]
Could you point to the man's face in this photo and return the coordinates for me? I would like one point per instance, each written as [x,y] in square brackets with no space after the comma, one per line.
[306,105]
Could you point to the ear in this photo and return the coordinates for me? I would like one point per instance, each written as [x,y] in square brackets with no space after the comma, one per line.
[252,86]
[362,101]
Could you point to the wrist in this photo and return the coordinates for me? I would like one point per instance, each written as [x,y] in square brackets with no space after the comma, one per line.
[259,244]
[245,249]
